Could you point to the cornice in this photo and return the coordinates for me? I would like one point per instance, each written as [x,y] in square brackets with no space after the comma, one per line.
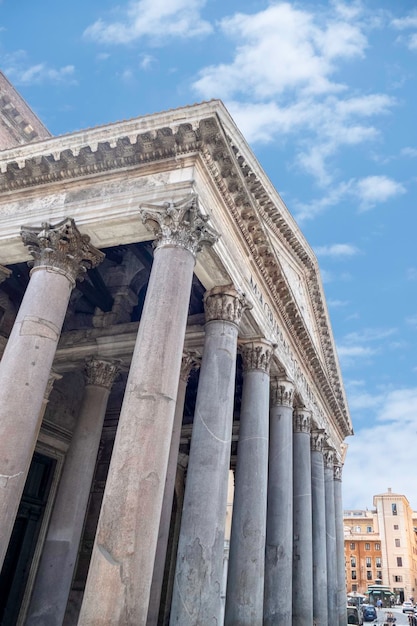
[199,129]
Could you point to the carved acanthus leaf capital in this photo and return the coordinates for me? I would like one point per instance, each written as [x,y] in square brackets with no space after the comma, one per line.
[329,456]
[101,373]
[4,273]
[337,471]
[224,303]
[282,392]
[179,224]
[63,247]
[190,360]
[256,355]
[302,420]
[318,439]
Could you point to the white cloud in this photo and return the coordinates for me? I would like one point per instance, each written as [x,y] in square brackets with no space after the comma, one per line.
[383,452]
[155,19]
[409,152]
[337,250]
[356,346]
[16,68]
[337,304]
[406,23]
[376,189]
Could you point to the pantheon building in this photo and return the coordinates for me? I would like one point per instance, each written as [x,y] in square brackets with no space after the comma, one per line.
[163,327]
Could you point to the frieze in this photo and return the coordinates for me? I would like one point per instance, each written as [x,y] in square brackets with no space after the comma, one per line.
[224,303]
[61,246]
[256,355]
[282,392]
[180,224]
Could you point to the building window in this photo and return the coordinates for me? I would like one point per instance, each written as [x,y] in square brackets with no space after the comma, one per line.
[378,561]
[353,574]
[352,545]
[398,579]
[357,529]
[367,546]
[377,546]
[399,561]
[395,526]
[368,561]
[397,543]
[394,508]
[353,561]
[354,587]
[369,529]
[368,574]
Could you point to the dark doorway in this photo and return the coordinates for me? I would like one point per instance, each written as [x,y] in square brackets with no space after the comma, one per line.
[14,575]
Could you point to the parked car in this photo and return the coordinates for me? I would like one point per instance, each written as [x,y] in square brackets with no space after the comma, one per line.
[354,615]
[408,607]
[369,613]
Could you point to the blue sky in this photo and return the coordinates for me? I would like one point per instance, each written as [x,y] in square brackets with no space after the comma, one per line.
[325,93]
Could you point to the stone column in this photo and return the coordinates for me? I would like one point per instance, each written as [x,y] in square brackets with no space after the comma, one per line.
[198,577]
[279,526]
[340,545]
[59,555]
[319,529]
[189,360]
[61,255]
[120,574]
[302,592]
[330,537]
[245,580]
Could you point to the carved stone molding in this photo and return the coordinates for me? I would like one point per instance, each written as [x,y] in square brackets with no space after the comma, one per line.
[337,471]
[224,303]
[302,420]
[101,373]
[190,360]
[179,224]
[256,355]
[328,455]
[282,392]
[4,273]
[318,439]
[61,246]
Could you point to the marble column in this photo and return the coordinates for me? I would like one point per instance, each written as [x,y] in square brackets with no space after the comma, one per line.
[189,360]
[120,575]
[340,545]
[279,526]
[245,580]
[61,255]
[330,537]
[302,571]
[4,274]
[198,578]
[319,529]
[59,555]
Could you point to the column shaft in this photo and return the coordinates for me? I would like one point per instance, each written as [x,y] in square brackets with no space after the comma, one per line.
[302,593]
[61,255]
[319,530]
[245,582]
[120,574]
[340,547]
[188,361]
[279,528]
[198,578]
[54,577]
[330,539]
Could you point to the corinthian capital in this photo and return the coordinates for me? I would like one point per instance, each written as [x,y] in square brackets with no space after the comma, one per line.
[224,303]
[282,392]
[101,373]
[4,273]
[179,224]
[190,360]
[318,439]
[256,355]
[329,455]
[302,420]
[61,246]
[337,471]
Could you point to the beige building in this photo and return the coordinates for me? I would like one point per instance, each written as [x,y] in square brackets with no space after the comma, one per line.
[171,326]
[381,546]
